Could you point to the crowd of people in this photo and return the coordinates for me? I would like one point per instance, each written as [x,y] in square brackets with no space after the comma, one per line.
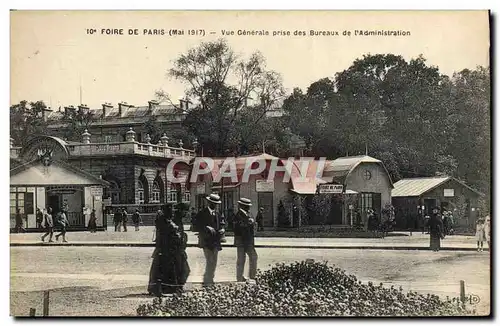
[170,268]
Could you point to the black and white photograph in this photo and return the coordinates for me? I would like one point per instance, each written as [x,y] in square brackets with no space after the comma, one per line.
[250,163]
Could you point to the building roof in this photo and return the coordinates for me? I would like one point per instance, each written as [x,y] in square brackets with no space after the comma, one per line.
[415,187]
[340,168]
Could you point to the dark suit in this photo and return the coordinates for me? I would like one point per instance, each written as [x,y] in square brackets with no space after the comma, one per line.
[244,240]
[209,239]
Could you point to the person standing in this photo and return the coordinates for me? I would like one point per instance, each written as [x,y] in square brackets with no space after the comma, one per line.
[436,231]
[487,230]
[19,222]
[93,222]
[136,219]
[39,218]
[48,224]
[260,219]
[446,222]
[169,269]
[210,227]
[63,222]
[124,219]
[117,219]
[480,234]
[244,240]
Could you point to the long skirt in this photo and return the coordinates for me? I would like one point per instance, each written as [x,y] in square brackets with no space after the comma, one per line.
[168,273]
[435,242]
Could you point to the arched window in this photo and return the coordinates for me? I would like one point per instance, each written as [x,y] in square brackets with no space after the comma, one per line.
[140,192]
[171,193]
[156,193]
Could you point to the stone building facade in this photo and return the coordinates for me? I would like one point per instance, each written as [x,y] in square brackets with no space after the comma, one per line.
[136,173]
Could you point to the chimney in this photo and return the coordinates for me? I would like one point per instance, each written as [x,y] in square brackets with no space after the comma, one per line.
[122,106]
[68,109]
[152,104]
[105,108]
[83,108]
[181,104]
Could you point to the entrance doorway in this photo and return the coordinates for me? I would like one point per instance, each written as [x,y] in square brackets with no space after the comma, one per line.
[54,202]
[335,216]
[429,204]
[265,200]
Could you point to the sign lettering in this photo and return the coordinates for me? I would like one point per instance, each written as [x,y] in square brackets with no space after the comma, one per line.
[331,189]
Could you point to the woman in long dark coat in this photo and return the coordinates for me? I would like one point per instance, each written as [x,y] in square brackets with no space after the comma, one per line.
[170,269]
[436,230]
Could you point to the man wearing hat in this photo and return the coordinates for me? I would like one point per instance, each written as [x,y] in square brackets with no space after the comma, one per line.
[210,226]
[244,234]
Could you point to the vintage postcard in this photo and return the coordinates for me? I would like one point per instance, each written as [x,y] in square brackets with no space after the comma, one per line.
[250,163]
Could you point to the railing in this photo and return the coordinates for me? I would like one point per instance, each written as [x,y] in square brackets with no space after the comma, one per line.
[129,148]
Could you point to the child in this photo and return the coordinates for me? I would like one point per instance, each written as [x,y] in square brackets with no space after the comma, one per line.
[480,234]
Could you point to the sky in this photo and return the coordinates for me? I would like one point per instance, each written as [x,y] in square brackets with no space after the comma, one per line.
[53,56]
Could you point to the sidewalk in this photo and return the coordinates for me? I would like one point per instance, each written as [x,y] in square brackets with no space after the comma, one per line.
[144,237]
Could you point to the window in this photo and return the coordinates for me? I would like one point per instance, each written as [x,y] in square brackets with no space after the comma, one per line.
[155,196]
[171,193]
[365,202]
[140,192]
[107,139]
[186,198]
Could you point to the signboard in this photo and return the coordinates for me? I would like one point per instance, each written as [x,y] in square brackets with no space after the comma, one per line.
[331,189]
[264,186]
[200,188]
[97,198]
[449,192]
[96,191]
[106,201]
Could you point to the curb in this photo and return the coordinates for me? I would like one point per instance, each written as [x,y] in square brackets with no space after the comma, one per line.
[151,245]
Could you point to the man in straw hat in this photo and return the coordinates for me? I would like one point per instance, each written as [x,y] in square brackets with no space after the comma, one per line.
[244,239]
[210,226]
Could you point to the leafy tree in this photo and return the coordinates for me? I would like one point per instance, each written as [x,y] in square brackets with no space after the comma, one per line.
[26,120]
[221,86]
[77,120]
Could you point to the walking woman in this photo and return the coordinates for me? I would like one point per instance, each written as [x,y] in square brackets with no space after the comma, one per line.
[92,222]
[487,231]
[169,270]
[436,229]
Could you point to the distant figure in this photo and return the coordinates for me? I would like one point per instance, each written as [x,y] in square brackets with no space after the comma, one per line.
[39,218]
[117,219]
[19,222]
[193,219]
[124,219]
[260,219]
[93,222]
[372,220]
[136,219]
[48,224]
[480,236]
[436,230]
[63,223]
[487,231]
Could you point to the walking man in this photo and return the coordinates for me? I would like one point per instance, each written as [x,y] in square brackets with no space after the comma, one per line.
[136,219]
[117,218]
[124,219]
[48,224]
[210,226]
[244,240]
[63,223]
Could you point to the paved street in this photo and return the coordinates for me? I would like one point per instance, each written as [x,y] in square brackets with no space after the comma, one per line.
[145,235]
[112,281]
